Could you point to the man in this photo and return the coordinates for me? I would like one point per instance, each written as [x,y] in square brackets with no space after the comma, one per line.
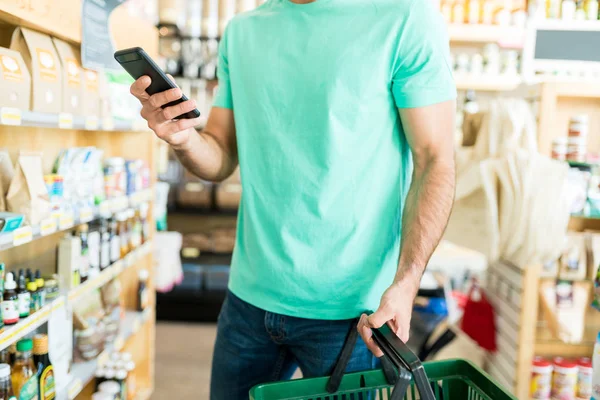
[322,103]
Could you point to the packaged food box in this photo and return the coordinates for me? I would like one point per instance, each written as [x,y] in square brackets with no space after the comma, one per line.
[15,81]
[72,88]
[41,59]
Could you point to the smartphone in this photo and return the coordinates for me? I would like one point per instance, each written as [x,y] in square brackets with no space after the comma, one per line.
[138,63]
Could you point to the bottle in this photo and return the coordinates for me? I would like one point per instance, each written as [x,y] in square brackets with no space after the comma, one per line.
[39,281]
[5,357]
[24,378]
[104,245]
[596,370]
[131,382]
[24,298]
[145,222]
[2,269]
[28,276]
[121,378]
[12,353]
[474,11]
[131,229]
[110,387]
[47,387]
[93,240]
[123,234]
[591,10]
[136,229]
[6,392]
[99,375]
[33,297]
[567,11]
[115,241]
[84,264]
[142,293]
[10,302]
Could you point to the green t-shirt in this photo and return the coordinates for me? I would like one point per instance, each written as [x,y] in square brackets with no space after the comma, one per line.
[325,165]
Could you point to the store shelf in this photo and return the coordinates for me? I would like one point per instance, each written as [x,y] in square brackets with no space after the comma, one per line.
[111,272]
[562,25]
[82,373]
[63,222]
[16,117]
[487,83]
[508,36]
[27,325]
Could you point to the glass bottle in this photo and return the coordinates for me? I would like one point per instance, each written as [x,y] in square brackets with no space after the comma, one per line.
[142,293]
[104,244]
[33,297]
[10,301]
[123,233]
[6,392]
[39,281]
[47,386]
[24,375]
[84,264]
[24,297]
[115,242]
[145,222]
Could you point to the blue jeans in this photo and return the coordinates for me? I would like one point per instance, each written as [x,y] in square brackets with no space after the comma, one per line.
[254,346]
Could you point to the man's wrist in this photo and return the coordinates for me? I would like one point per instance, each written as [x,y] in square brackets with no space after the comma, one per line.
[409,278]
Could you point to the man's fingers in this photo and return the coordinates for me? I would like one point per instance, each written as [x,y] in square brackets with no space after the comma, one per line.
[138,88]
[367,336]
[175,111]
[379,317]
[160,99]
[177,126]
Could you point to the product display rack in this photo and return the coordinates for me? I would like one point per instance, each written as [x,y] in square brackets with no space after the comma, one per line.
[23,130]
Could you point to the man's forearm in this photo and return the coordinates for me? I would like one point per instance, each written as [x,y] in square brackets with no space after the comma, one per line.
[428,205]
[205,158]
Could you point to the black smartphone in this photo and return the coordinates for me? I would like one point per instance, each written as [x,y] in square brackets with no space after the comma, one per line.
[138,63]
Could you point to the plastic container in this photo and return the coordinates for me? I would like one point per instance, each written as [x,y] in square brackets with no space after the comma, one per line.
[584,378]
[560,148]
[564,378]
[110,387]
[541,379]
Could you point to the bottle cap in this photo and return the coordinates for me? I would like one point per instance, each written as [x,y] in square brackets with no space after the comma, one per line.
[24,345]
[40,344]
[129,366]
[39,282]
[126,357]
[109,373]
[38,274]
[110,387]
[4,370]
[121,374]
[143,275]
[10,283]
[32,286]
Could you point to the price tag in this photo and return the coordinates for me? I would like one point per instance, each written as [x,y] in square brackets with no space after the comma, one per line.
[65,121]
[10,116]
[86,214]
[65,221]
[108,124]
[190,252]
[22,235]
[74,388]
[56,214]
[48,226]
[91,123]
[119,343]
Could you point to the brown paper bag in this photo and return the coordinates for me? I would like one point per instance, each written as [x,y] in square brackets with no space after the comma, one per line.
[7,172]
[27,194]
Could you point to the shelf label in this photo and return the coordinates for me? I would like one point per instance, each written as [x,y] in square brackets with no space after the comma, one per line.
[10,116]
[74,388]
[65,121]
[22,235]
[86,214]
[65,221]
[91,123]
[190,252]
[48,226]
[108,124]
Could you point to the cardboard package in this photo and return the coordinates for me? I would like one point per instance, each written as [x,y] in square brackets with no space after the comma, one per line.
[7,172]
[91,93]
[27,193]
[15,81]
[72,89]
[41,59]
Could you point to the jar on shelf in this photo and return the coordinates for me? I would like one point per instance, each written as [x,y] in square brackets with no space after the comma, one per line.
[89,342]
[560,148]
[541,377]
[578,126]
[577,148]
[584,378]
[564,378]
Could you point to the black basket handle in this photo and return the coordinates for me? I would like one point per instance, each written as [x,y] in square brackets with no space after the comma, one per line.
[402,357]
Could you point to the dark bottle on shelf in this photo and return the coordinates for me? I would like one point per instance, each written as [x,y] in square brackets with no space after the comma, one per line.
[33,297]
[84,265]
[104,244]
[115,241]
[6,392]
[47,387]
[142,293]
[39,281]
[28,276]
[24,297]
[10,301]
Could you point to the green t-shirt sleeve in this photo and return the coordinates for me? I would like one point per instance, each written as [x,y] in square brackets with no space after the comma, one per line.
[223,96]
[421,74]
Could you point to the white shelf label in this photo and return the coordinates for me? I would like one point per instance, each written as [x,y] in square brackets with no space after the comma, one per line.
[48,226]
[65,221]
[10,116]
[86,214]
[74,388]
[91,123]
[104,208]
[108,124]
[22,235]
[65,121]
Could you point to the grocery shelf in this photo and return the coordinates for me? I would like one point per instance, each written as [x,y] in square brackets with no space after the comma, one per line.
[508,36]
[66,221]
[17,117]
[487,83]
[565,25]
[27,325]
[111,272]
[82,373]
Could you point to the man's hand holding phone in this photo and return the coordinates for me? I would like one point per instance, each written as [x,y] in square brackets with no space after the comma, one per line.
[177,133]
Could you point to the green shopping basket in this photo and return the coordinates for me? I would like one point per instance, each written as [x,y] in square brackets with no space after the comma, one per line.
[440,380]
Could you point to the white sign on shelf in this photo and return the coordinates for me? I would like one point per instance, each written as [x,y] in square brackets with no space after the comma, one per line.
[74,388]
[48,226]
[86,214]
[22,235]
[65,121]
[10,116]
[91,123]
[66,221]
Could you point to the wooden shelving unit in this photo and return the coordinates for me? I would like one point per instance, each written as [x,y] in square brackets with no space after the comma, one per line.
[50,133]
